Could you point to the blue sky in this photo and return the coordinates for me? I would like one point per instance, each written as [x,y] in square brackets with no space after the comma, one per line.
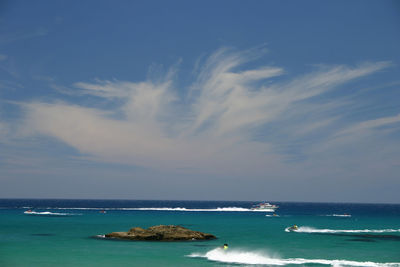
[207,100]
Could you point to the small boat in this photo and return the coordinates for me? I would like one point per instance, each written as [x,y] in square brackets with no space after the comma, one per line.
[293,228]
[264,206]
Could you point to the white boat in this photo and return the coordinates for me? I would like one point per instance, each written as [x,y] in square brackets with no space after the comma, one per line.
[264,206]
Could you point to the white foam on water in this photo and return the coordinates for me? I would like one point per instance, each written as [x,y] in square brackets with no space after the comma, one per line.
[338,215]
[263,210]
[305,229]
[72,208]
[48,213]
[186,209]
[260,258]
[230,209]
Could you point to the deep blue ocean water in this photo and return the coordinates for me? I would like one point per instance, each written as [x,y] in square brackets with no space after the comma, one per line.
[68,233]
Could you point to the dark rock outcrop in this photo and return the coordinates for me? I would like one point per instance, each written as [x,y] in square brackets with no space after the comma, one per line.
[161,233]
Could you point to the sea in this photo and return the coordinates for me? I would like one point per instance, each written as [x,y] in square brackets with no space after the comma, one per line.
[71,233]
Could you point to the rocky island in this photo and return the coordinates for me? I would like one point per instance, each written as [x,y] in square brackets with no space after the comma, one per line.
[161,233]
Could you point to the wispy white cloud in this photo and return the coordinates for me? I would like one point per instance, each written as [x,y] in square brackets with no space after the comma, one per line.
[213,127]
[4,129]
[6,38]
[369,125]
[8,65]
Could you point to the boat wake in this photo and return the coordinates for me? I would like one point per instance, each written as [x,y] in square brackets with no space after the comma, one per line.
[305,229]
[218,209]
[186,209]
[48,213]
[259,258]
[338,215]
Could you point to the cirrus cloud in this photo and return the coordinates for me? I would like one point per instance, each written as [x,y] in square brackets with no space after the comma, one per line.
[213,125]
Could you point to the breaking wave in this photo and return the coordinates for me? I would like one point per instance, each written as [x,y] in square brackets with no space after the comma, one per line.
[305,229]
[258,258]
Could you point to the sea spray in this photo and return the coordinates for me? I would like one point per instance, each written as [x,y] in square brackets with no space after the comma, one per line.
[236,256]
[305,229]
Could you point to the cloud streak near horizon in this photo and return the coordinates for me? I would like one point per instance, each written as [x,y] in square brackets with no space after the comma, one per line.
[229,119]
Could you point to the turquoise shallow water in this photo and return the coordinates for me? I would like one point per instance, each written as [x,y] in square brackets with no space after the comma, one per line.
[368,235]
